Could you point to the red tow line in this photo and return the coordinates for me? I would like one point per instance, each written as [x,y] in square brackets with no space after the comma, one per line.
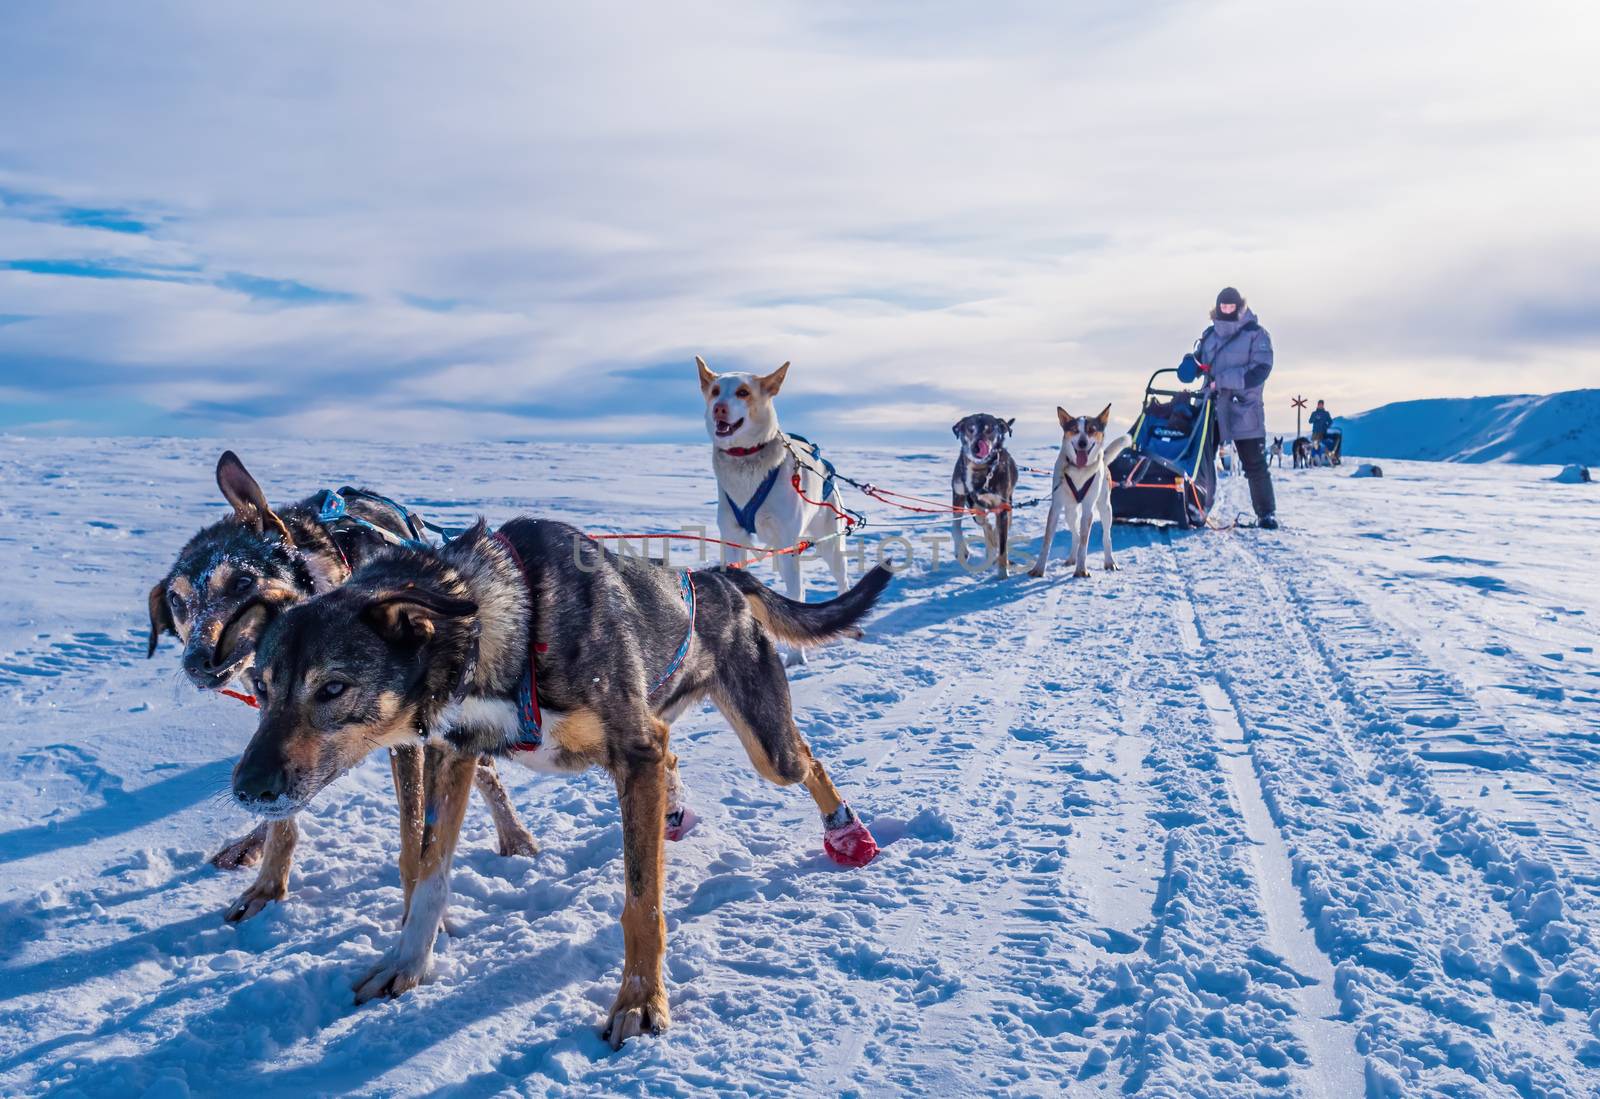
[248,700]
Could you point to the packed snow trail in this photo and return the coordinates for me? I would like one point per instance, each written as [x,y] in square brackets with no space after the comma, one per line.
[1304,814]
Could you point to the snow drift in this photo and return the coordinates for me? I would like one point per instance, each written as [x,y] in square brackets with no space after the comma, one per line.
[1555,429]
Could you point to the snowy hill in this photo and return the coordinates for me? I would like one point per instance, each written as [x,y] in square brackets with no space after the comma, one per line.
[1308,815]
[1555,429]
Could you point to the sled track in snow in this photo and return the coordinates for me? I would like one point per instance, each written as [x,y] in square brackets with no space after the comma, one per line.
[1465,744]
[1422,907]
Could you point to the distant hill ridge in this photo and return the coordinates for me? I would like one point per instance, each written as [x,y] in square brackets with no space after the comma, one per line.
[1553,429]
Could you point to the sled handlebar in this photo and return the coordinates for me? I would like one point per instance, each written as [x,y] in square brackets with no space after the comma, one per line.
[1151,391]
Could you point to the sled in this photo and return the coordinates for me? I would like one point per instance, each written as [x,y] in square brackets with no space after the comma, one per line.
[1169,474]
[1333,445]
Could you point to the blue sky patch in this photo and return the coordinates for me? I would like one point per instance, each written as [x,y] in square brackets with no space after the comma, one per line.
[287,291]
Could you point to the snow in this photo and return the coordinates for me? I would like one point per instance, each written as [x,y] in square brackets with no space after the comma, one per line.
[1308,813]
[1552,429]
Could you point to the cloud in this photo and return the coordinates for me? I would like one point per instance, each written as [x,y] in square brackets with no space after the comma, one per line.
[509,218]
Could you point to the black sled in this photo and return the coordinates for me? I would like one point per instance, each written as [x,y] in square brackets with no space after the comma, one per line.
[1169,474]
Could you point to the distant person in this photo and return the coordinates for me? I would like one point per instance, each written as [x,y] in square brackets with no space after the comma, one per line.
[1236,352]
[1321,420]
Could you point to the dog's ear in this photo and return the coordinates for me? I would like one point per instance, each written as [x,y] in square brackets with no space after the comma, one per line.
[160,617]
[708,377]
[1064,416]
[774,381]
[955,428]
[1009,423]
[250,505]
[410,616]
[1104,417]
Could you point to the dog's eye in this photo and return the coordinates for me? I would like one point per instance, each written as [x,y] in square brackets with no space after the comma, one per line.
[174,600]
[330,691]
[716,391]
[242,583]
[742,393]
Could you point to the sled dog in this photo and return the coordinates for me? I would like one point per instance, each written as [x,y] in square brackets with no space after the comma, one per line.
[985,478]
[227,585]
[1275,451]
[536,643]
[755,464]
[1082,487]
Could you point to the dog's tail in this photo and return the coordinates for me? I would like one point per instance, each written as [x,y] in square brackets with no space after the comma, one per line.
[1118,445]
[810,623]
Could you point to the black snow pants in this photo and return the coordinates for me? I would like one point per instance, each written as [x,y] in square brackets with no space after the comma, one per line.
[1253,456]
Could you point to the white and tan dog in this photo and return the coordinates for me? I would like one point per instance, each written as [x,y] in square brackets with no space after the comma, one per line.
[755,465]
[1083,486]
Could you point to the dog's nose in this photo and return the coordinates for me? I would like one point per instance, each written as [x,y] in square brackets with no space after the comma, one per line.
[199,664]
[261,776]
[261,788]
[261,791]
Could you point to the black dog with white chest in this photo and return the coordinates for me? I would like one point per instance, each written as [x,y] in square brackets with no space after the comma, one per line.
[982,485]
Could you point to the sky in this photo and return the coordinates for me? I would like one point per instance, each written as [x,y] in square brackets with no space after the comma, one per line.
[523,220]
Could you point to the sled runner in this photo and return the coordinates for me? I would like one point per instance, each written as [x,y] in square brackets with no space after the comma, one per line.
[1169,474]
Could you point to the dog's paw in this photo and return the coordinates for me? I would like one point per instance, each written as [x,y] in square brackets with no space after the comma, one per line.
[794,658]
[1081,570]
[394,975]
[517,841]
[253,900]
[680,822]
[242,852]
[638,1010]
[850,844]
[1037,572]
[1112,566]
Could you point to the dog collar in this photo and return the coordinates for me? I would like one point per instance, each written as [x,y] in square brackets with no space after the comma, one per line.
[746,451]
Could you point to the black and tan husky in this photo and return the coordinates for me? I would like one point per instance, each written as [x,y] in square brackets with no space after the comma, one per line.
[536,643]
[231,580]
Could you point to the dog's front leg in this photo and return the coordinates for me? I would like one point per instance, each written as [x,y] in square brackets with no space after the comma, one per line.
[1080,539]
[405,764]
[405,965]
[1002,528]
[513,837]
[1110,562]
[272,880]
[987,528]
[1049,534]
[958,530]
[640,772]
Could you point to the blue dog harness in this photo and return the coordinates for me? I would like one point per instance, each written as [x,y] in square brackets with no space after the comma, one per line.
[746,516]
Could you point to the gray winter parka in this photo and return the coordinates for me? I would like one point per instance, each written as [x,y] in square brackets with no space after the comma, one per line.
[1239,353]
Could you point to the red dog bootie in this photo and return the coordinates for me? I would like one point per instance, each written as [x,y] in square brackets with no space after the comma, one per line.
[846,839]
[679,822]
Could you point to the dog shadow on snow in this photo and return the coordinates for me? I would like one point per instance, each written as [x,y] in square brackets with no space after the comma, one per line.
[273,1010]
[561,983]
